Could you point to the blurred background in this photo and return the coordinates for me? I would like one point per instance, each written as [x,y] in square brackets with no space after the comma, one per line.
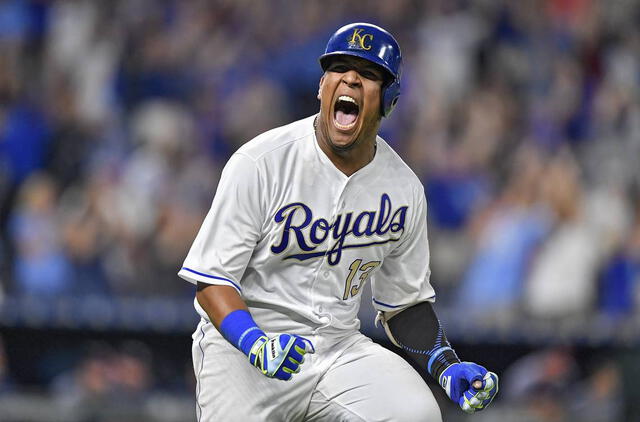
[521,118]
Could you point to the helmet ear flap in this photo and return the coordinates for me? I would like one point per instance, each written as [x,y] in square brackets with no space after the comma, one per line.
[390,96]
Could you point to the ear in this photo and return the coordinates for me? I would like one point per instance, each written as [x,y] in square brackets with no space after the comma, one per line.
[320,87]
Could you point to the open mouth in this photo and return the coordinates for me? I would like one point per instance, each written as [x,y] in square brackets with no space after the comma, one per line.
[345,112]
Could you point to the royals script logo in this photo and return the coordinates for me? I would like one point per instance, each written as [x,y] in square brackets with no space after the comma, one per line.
[358,39]
[347,231]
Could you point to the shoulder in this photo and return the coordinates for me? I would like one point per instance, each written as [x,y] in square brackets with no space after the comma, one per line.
[397,170]
[278,139]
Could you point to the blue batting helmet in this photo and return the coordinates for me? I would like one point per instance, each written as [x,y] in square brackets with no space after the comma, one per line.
[372,43]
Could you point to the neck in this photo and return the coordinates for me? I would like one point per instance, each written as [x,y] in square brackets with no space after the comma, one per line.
[348,160]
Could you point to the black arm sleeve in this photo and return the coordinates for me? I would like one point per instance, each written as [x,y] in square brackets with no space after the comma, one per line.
[418,331]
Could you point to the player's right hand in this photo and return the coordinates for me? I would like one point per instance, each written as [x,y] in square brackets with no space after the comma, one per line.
[280,356]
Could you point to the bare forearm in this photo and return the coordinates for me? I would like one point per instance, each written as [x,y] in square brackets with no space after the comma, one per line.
[219,301]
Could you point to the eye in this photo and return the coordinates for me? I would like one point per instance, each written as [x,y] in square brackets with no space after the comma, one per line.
[339,68]
[370,75]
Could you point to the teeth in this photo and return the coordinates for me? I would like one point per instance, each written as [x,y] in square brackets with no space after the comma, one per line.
[347,98]
[350,100]
[343,126]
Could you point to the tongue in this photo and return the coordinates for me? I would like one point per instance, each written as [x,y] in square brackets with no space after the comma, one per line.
[345,119]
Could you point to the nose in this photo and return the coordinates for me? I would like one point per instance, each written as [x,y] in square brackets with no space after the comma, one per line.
[351,78]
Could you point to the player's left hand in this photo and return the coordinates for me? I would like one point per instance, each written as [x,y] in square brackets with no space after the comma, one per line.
[469,385]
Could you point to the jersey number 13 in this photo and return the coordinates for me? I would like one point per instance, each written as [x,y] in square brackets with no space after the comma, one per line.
[350,290]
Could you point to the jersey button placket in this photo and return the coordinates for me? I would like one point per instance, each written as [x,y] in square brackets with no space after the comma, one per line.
[322,290]
[322,272]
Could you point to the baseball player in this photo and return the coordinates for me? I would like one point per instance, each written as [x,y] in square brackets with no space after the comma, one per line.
[304,215]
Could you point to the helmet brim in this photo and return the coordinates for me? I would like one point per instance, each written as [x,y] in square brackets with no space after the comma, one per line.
[326,58]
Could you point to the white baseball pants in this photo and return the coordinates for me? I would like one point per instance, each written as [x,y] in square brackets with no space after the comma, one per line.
[348,379]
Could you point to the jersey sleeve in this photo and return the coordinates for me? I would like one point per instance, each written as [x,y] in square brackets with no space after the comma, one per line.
[231,229]
[403,279]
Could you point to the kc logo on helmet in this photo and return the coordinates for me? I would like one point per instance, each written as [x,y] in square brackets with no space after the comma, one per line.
[358,40]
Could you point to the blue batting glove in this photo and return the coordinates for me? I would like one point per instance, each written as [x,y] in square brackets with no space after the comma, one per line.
[279,356]
[469,385]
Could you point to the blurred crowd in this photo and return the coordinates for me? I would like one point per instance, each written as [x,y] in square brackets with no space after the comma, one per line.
[107,383]
[521,118]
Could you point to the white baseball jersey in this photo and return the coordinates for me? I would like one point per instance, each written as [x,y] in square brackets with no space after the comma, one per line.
[298,238]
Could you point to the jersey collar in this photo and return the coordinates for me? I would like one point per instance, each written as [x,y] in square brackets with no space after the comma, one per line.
[369,168]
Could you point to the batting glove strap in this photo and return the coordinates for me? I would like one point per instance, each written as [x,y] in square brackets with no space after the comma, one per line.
[255,353]
[458,380]
[440,360]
